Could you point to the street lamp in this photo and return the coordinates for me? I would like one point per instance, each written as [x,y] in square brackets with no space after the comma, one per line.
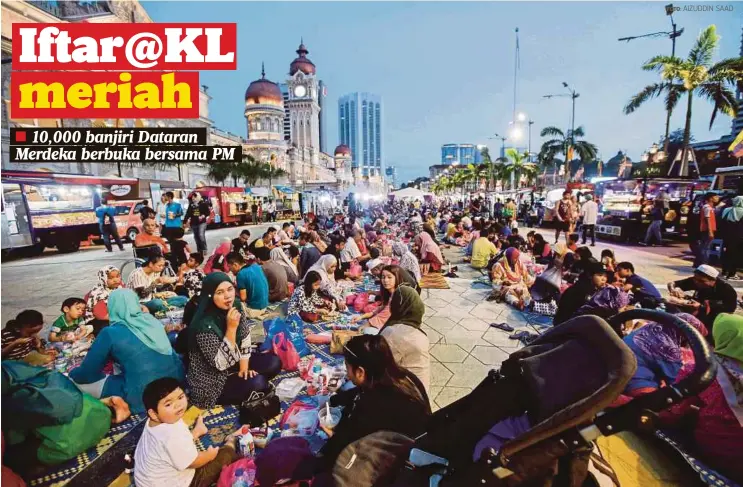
[571,135]
[521,117]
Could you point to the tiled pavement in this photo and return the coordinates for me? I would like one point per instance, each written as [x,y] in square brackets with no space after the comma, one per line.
[457,321]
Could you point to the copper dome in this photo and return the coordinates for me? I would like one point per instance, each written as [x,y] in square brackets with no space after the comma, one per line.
[263,91]
[342,150]
[302,63]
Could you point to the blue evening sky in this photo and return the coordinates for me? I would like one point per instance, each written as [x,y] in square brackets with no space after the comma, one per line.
[445,69]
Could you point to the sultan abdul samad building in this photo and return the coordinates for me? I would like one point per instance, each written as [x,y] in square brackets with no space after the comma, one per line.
[283,129]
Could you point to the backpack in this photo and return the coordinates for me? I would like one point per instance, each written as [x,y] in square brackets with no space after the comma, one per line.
[374,460]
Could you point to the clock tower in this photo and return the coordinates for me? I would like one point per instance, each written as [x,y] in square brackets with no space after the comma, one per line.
[303,105]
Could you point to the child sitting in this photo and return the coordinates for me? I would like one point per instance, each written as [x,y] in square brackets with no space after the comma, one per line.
[69,326]
[20,340]
[166,454]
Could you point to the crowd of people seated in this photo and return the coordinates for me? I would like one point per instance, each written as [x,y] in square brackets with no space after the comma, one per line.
[137,365]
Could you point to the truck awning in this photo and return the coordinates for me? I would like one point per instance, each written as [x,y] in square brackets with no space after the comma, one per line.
[284,189]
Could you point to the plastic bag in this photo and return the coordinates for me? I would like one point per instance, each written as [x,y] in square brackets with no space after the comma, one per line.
[355,270]
[291,327]
[350,299]
[284,349]
[362,299]
[300,418]
[228,477]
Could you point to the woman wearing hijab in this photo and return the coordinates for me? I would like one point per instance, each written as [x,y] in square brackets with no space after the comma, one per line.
[137,343]
[731,229]
[279,256]
[430,253]
[511,280]
[326,267]
[96,304]
[407,259]
[221,368]
[217,262]
[403,332]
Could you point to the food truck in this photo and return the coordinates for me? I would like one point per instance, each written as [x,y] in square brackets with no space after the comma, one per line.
[287,202]
[42,209]
[625,204]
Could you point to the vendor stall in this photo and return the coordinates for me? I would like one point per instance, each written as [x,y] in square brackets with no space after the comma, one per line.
[624,211]
[287,202]
[230,205]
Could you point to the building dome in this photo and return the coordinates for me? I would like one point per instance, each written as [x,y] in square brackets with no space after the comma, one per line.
[343,150]
[302,63]
[617,159]
[263,92]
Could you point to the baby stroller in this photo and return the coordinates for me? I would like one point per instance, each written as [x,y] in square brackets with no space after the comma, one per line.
[565,414]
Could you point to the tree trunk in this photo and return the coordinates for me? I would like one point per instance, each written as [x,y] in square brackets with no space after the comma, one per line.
[687,133]
[668,133]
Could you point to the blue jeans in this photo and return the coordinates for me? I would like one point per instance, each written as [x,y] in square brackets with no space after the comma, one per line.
[156,305]
[654,232]
[199,234]
[108,231]
[703,250]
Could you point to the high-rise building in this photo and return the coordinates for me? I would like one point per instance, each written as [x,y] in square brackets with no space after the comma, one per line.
[460,154]
[322,94]
[360,128]
[738,121]
[390,173]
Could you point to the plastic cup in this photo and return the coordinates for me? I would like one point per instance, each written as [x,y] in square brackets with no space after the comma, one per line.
[329,422]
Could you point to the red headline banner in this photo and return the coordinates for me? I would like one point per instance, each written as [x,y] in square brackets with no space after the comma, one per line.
[125,47]
[104,95]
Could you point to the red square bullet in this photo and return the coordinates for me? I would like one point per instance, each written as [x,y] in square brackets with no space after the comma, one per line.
[20,136]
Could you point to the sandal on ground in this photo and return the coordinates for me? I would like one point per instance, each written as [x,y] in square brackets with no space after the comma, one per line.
[503,326]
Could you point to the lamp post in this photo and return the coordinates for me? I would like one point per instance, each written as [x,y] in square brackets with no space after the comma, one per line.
[531,122]
[671,35]
[570,136]
[503,152]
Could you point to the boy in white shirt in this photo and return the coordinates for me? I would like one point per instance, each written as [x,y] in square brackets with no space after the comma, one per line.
[166,454]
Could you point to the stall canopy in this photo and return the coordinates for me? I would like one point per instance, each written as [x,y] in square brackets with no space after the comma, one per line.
[260,192]
[409,193]
[285,189]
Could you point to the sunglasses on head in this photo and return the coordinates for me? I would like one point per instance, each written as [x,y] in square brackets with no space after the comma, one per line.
[345,347]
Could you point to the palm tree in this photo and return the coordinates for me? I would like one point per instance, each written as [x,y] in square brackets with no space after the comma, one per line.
[696,75]
[561,142]
[492,170]
[518,166]
[271,172]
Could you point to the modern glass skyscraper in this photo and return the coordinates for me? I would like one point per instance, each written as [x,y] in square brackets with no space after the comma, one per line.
[360,128]
[461,154]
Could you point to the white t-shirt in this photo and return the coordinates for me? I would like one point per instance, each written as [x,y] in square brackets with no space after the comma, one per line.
[163,455]
[590,211]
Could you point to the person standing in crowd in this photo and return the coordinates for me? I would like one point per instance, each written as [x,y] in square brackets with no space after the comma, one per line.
[108,228]
[731,228]
[711,297]
[173,216]
[196,215]
[564,215]
[707,228]
[656,224]
[160,210]
[146,211]
[270,211]
[590,212]
[254,212]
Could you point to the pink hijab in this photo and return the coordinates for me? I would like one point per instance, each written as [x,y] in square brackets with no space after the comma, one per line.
[428,246]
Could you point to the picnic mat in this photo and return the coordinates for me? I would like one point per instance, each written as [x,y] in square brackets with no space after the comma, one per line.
[434,280]
[103,464]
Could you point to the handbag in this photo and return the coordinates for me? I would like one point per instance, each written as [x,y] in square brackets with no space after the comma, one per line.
[260,407]
[339,340]
[284,349]
[362,299]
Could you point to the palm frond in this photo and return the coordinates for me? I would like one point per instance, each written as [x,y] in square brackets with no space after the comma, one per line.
[552,132]
[704,47]
[723,99]
[673,95]
[661,63]
[647,93]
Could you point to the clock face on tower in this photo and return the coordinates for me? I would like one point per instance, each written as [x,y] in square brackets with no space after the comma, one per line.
[300,91]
